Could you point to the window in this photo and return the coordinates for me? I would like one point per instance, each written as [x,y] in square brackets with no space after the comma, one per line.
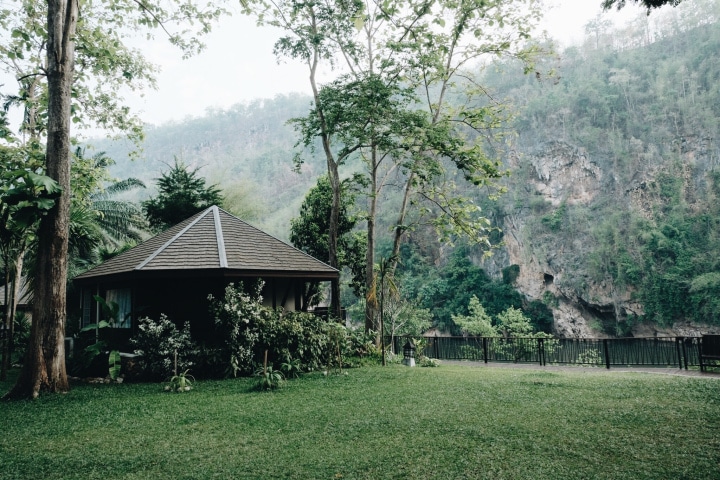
[122,297]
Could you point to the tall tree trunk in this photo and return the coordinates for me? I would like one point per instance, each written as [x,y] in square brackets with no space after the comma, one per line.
[400,225]
[370,306]
[44,366]
[333,177]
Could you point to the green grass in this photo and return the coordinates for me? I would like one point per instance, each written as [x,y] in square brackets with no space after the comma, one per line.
[451,422]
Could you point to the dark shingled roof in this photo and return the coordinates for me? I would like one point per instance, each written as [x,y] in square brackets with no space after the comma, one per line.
[217,242]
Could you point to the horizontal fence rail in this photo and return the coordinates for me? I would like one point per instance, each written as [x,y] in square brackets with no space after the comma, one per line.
[680,352]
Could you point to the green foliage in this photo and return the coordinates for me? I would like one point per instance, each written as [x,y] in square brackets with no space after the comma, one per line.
[429,362]
[181,194]
[541,317]
[179,383]
[555,219]
[235,315]
[162,348]
[291,368]
[510,274]
[110,312]
[513,323]
[105,63]
[114,364]
[269,379]
[448,291]
[293,341]
[478,323]
[309,232]
[21,337]
[360,348]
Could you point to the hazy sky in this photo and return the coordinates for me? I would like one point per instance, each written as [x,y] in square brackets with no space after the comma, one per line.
[238,64]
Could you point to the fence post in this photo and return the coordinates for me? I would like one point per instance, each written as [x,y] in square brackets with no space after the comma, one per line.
[541,351]
[607,353]
[684,352]
[437,349]
[677,349]
[485,349]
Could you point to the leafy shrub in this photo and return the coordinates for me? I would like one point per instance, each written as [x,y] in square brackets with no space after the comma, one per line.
[156,343]
[295,341]
[182,382]
[295,335]
[236,316]
[429,362]
[360,349]
[590,357]
[269,379]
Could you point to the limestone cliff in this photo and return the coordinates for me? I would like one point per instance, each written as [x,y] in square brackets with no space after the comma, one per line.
[558,178]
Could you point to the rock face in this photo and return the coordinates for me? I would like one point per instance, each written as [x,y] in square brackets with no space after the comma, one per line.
[555,268]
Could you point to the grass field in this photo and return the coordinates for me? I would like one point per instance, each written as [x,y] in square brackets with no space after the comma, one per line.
[451,422]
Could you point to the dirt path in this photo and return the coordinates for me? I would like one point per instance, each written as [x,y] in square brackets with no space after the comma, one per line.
[713,373]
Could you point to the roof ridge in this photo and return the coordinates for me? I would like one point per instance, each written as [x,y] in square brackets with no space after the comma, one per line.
[275,238]
[170,242]
[222,255]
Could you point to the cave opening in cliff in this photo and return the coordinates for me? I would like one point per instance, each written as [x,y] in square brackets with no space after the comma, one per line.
[549,279]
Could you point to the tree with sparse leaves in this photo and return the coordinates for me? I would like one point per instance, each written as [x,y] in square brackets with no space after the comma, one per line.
[414,55]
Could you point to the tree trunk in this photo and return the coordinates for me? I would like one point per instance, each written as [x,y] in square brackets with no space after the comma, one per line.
[370,309]
[44,366]
[333,177]
[400,226]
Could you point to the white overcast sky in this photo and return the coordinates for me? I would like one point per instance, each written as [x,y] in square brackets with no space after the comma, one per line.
[238,64]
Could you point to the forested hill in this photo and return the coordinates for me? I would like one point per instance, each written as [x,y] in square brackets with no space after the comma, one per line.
[612,214]
[247,150]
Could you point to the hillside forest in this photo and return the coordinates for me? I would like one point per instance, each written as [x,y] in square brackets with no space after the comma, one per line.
[609,223]
[604,219]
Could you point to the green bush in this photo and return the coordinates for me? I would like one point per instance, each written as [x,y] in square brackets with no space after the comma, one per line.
[235,316]
[157,343]
[295,341]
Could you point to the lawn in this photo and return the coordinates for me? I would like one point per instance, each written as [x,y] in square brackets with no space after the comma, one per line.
[450,422]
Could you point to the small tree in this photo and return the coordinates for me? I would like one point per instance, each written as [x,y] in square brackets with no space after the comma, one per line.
[182,194]
[478,323]
[513,323]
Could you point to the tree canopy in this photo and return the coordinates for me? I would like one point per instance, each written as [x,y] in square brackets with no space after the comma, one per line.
[181,194]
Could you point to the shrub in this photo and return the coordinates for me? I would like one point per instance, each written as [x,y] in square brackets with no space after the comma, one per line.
[429,362]
[156,344]
[295,341]
[359,348]
[236,317]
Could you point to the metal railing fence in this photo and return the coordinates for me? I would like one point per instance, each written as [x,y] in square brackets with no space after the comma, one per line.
[680,352]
